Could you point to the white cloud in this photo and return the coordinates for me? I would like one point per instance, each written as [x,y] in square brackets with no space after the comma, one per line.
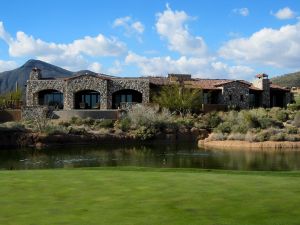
[116,69]
[7,65]
[242,11]
[69,55]
[131,27]
[171,25]
[207,67]
[275,47]
[95,67]
[285,13]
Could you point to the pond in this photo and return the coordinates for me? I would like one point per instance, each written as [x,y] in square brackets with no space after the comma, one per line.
[168,156]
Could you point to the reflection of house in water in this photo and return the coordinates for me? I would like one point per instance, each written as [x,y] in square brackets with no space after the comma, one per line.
[103,92]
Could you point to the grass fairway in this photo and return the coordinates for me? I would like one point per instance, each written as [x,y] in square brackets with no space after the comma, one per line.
[148,196]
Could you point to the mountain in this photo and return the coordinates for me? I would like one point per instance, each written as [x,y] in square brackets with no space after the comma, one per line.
[288,80]
[8,79]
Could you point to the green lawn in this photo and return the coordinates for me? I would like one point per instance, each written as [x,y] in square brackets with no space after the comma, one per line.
[148,196]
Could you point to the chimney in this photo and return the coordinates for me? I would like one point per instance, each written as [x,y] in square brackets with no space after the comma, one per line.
[262,82]
[35,74]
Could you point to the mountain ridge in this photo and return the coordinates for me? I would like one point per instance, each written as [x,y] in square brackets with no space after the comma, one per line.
[287,80]
[20,75]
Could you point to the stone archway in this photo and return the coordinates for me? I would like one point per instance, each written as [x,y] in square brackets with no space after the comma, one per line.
[50,97]
[87,99]
[126,96]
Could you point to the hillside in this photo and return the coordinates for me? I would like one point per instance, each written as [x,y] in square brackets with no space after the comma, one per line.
[8,79]
[288,80]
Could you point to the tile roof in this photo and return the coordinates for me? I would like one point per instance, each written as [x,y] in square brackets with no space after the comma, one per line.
[277,87]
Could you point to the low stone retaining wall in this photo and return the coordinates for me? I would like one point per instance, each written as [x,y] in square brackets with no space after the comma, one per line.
[34,112]
[245,145]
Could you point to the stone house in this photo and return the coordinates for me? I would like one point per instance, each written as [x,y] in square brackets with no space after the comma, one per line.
[103,92]
[85,91]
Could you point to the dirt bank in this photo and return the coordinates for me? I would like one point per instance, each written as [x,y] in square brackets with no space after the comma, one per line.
[240,145]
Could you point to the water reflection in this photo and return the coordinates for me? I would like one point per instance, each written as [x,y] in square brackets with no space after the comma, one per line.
[176,156]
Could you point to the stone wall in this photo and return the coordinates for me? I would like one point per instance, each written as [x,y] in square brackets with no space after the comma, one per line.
[34,112]
[35,86]
[85,82]
[236,94]
[138,84]
[69,87]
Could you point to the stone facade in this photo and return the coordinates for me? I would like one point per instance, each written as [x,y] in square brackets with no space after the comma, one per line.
[106,86]
[235,94]
[138,84]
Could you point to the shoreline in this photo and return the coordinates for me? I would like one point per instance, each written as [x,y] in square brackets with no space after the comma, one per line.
[246,145]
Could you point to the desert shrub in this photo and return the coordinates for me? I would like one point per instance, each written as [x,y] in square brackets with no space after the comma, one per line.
[77,131]
[249,136]
[148,116]
[212,119]
[53,129]
[224,127]
[124,124]
[145,133]
[103,123]
[185,121]
[88,121]
[64,123]
[217,137]
[76,121]
[296,121]
[292,130]
[266,134]
[292,137]
[278,137]
[294,107]
[280,114]
[236,136]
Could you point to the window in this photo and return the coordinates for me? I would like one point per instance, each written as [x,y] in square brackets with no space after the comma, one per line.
[230,97]
[242,98]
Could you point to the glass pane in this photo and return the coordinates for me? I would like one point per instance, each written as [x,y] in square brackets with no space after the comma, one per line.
[129,98]
[88,100]
[123,98]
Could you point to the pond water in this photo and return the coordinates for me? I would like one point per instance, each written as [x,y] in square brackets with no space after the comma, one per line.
[169,156]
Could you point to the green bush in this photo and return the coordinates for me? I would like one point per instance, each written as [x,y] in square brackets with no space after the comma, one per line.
[280,114]
[212,120]
[296,121]
[53,129]
[236,136]
[217,137]
[76,121]
[124,124]
[224,127]
[145,133]
[104,123]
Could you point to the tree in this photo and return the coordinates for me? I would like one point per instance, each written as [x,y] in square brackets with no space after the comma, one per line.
[179,99]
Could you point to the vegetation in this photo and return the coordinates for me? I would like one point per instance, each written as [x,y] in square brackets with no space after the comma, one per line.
[148,196]
[10,97]
[288,80]
[179,99]
[256,125]
[146,122]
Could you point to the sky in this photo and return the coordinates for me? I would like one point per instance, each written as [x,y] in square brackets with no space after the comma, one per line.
[233,39]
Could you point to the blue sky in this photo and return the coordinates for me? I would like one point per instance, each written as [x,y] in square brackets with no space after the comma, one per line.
[209,39]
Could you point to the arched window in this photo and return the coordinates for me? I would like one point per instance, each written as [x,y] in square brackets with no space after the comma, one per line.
[51,98]
[87,99]
[126,96]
